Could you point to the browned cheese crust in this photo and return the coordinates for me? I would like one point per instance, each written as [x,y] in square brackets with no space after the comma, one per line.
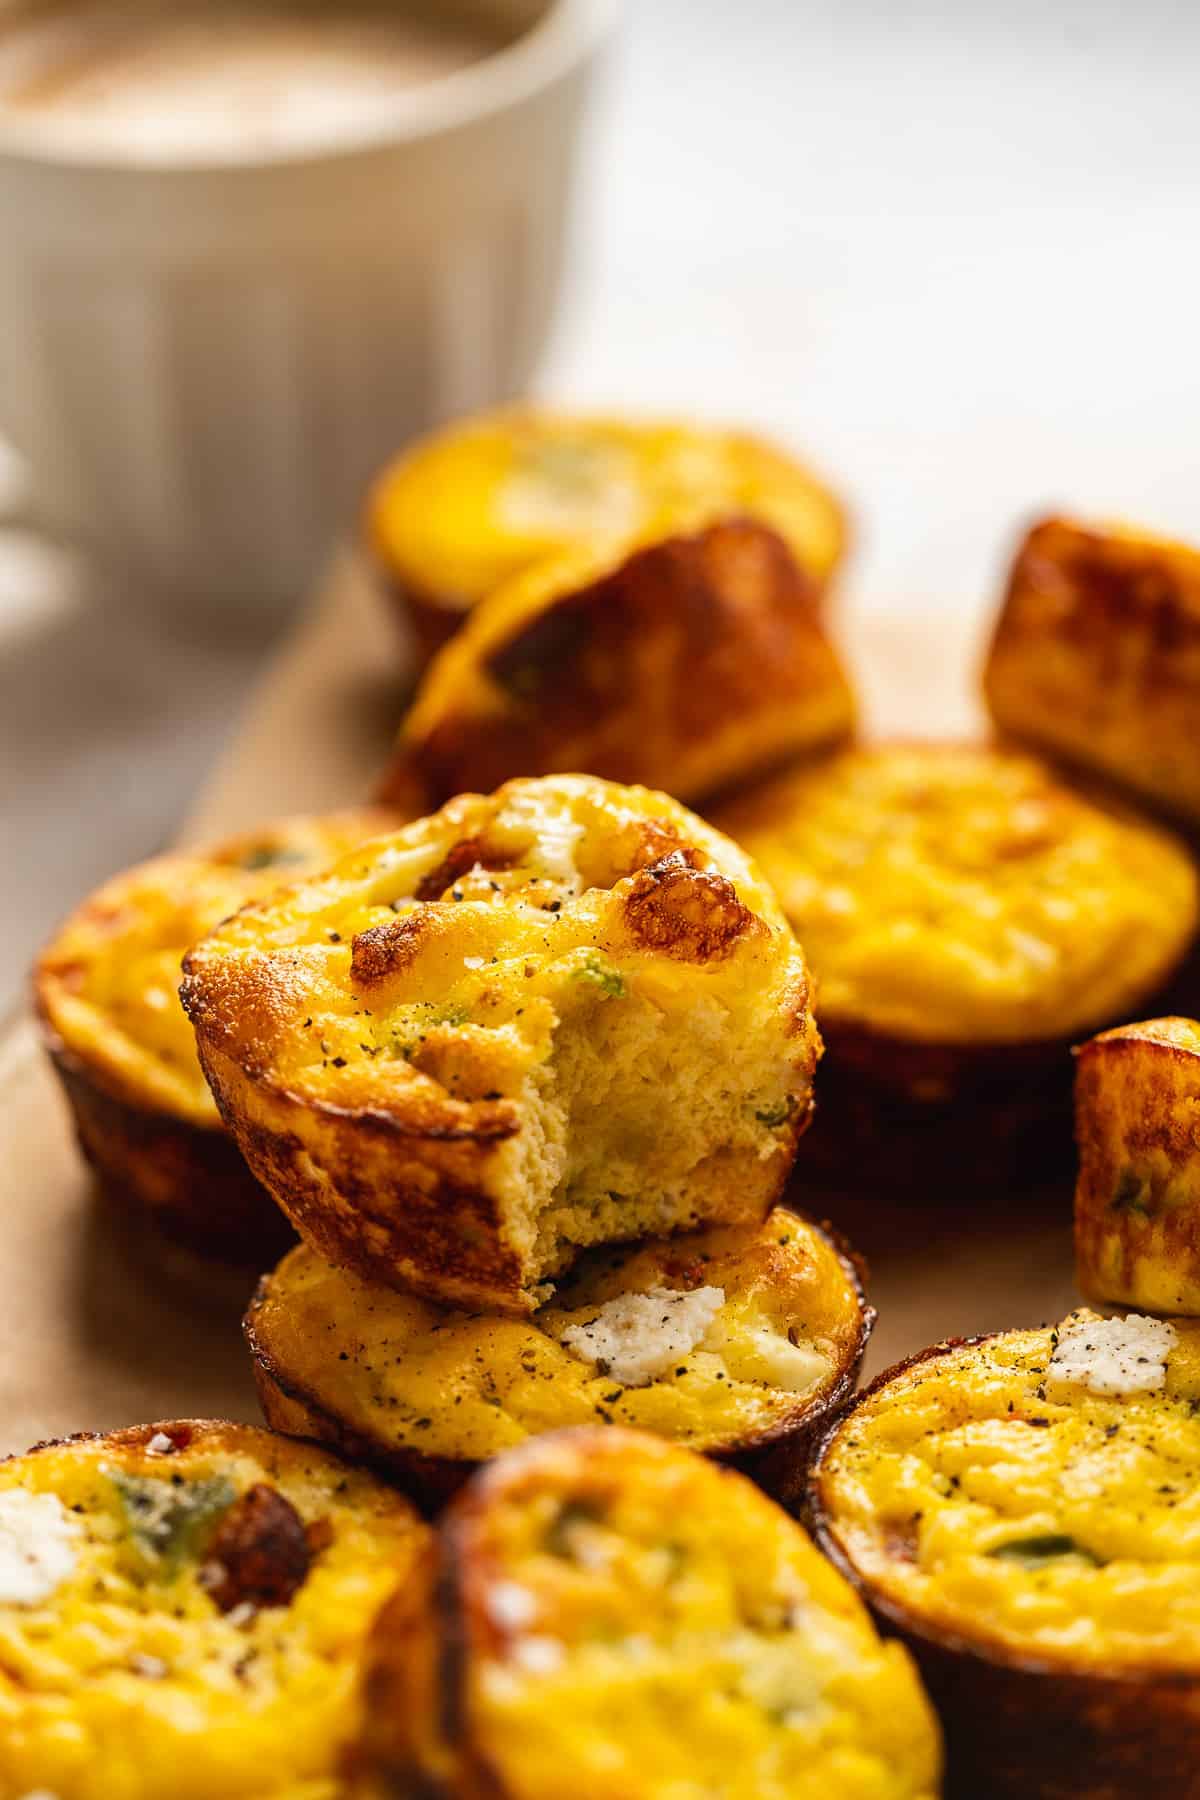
[1137,1199]
[1096,657]
[687,664]
[464,511]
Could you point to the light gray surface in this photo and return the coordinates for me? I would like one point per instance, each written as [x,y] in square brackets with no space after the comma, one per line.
[948,249]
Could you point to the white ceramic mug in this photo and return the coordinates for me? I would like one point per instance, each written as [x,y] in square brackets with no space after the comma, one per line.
[204,361]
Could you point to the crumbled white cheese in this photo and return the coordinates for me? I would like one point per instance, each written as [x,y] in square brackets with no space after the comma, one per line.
[510,1606]
[556,851]
[150,1668]
[571,489]
[775,1678]
[551,837]
[538,1655]
[584,1544]
[637,1337]
[1113,1356]
[37,1546]
[160,1445]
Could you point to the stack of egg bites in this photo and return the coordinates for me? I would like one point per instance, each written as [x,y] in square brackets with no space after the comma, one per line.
[526,1059]
[528,1076]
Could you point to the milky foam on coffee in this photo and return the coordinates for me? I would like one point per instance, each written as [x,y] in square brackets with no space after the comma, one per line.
[173,78]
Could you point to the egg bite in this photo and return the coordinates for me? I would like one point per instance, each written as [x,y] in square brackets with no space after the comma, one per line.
[611,1614]
[967,917]
[1137,1198]
[485,500]
[738,1342]
[184,1610]
[1021,1510]
[686,664]
[562,1015]
[106,992]
[1096,657]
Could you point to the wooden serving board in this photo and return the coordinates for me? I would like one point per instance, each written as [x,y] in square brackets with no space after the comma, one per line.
[95,1333]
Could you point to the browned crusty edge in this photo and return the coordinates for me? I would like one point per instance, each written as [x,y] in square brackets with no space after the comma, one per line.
[188,1181]
[1137,1196]
[1096,658]
[691,664]
[405,1199]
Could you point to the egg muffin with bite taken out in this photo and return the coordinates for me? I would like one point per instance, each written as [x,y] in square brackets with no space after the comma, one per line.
[562,1015]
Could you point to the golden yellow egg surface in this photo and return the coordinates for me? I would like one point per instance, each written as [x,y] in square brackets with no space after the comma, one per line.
[1036,1493]
[183,1611]
[965,895]
[630,1619]
[722,1340]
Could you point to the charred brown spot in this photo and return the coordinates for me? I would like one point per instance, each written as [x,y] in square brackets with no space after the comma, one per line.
[467,854]
[523,666]
[384,950]
[1090,586]
[901,1540]
[688,1272]
[259,1554]
[693,914]
[656,841]
[319,1535]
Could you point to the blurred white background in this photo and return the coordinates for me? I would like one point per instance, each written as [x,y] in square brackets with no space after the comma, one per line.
[949,250]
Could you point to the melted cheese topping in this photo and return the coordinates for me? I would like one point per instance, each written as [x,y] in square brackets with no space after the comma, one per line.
[487,500]
[407,1374]
[966,895]
[127,1680]
[1041,1516]
[108,983]
[687,1638]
